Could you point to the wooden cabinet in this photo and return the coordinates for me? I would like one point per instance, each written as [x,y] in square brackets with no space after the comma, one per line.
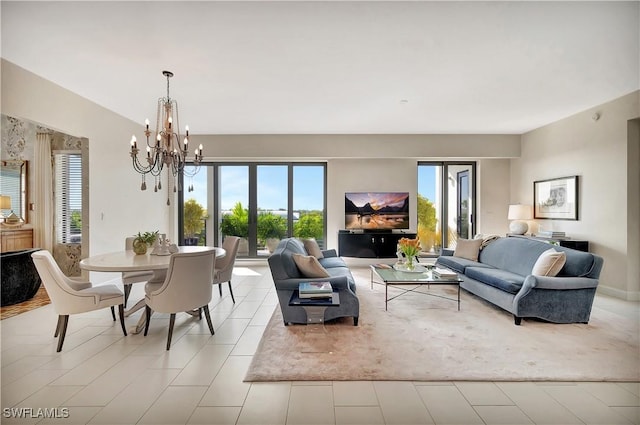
[370,244]
[16,239]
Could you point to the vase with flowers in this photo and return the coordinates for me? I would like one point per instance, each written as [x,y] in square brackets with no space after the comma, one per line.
[410,248]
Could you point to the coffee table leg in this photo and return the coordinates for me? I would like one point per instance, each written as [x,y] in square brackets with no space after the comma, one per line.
[458,297]
[386,295]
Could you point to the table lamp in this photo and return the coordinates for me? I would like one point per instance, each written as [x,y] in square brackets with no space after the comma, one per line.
[517,213]
[5,204]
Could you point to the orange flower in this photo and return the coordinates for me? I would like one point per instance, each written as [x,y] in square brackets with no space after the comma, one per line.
[409,247]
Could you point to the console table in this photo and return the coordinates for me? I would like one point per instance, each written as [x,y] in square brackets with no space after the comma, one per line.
[370,244]
[16,239]
[579,245]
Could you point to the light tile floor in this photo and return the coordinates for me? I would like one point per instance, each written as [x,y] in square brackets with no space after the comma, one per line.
[102,377]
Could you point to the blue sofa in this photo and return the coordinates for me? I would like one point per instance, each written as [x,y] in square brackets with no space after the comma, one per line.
[502,276]
[287,276]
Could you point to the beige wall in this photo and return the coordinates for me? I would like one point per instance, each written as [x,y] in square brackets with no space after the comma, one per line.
[597,151]
[117,206]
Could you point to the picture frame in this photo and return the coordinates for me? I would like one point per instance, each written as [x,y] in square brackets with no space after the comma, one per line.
[556,199]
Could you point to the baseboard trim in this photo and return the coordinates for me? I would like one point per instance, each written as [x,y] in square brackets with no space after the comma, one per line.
[618,293]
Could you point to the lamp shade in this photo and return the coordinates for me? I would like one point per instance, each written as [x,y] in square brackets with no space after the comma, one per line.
[5,202]
[520,212]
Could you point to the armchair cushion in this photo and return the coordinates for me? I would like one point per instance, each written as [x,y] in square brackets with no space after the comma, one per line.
[309,266]
[312,247]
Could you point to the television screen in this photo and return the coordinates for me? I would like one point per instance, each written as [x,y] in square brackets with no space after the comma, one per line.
[376,210]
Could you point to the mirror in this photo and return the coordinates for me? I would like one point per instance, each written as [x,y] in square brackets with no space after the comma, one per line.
[13,183]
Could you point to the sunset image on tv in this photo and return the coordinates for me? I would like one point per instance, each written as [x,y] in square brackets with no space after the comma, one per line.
[376,210]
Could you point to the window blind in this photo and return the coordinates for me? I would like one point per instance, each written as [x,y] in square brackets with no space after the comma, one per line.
[68,197]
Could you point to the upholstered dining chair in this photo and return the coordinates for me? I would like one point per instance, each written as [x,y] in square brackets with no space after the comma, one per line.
[224,267]
[129,278]
[71,296]
[186,287]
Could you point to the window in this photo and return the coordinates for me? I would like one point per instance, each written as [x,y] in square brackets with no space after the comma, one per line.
[67,171]
[259,202]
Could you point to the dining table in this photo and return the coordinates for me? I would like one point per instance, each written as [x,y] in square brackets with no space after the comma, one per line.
[129,261]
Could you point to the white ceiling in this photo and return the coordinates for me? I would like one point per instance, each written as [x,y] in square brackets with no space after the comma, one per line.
[334,67]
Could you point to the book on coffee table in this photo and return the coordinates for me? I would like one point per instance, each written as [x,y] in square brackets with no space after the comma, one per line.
[444,273]
[315,290]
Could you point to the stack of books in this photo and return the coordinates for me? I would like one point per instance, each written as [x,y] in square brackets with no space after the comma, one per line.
[550,234]
[315,290]
[443,273]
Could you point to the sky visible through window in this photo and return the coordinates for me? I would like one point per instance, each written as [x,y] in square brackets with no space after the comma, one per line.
[308,190]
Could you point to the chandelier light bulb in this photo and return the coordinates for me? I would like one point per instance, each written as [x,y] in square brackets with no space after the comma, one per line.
[146,122]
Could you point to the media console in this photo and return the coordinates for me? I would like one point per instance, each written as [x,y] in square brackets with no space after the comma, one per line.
[370,244]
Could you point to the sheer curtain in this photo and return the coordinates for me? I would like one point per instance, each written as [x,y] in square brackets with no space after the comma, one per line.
[43,184]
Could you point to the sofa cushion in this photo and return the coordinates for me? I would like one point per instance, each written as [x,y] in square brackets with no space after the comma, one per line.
[468,248]
[458,264]
[332,262]
[516,255]
[312,247]
[501,279]
[309,266]
[549,263]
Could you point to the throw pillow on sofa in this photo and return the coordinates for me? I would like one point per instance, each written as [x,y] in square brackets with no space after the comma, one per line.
[468,248]
[549,263]
[309,266]
[312,247]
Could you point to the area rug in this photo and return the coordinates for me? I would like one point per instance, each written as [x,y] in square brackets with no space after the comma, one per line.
[425,338]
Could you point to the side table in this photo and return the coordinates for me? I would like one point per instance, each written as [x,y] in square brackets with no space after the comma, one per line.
[315,307]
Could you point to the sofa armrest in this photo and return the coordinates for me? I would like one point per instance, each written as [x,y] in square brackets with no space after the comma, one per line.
[447,252]
[328,253]
[337,282]
[559,283]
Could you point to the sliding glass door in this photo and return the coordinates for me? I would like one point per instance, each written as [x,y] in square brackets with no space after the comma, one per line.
[446,204]
[259,202]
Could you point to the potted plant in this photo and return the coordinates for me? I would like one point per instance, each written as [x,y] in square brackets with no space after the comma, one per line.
[236,223]
[271,228]
[143,241]
[194,216]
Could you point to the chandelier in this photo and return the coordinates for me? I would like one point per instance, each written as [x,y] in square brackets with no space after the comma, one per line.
[168,149]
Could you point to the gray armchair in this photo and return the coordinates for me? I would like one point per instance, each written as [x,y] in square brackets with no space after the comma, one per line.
[287,277]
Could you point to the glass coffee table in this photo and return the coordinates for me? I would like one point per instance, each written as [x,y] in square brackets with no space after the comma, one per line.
[421,275]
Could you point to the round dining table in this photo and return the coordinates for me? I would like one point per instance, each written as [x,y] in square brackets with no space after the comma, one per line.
[129,261]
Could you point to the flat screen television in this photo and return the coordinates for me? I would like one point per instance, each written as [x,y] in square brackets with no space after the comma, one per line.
[376,210]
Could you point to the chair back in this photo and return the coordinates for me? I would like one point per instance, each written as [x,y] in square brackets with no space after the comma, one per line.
[62,290]
[187,285]
[224,267]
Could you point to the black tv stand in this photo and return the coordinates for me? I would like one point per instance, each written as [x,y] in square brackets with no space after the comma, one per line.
[370,243]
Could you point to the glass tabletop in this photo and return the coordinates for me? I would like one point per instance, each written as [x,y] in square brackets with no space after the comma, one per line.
[417,276]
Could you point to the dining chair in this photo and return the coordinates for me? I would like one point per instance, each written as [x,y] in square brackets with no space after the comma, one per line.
[224,267]
[129,278]
[187,287]
[72,296]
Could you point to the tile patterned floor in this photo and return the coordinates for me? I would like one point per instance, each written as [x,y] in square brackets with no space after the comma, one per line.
[102,377]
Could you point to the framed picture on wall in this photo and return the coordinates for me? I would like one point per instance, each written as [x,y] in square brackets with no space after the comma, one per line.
[556,198]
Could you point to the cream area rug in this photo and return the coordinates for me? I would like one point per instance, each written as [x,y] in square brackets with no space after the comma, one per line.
[425,338]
